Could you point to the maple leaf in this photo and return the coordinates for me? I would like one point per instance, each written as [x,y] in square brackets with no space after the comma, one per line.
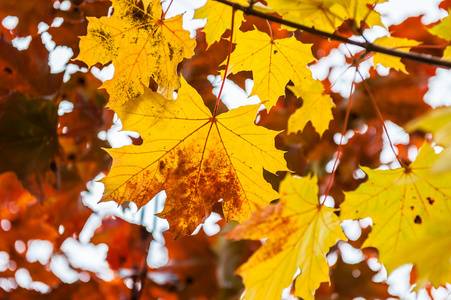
[358,11]
[438,122]
[399,201]
[313,13]
[327,15]
[75,24]
[443,30]
[27,71]
[141,46]
[29,13]
[400,107]
[316,107]
[219,19]
[196,158]
[300,232]
[28,141]
[433,261]
[191,261]
[273,63]
[127,243]
[401,44]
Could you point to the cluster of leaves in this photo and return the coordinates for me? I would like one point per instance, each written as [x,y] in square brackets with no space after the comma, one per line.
[265,166]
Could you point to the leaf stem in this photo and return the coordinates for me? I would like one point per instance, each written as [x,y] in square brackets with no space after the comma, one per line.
[227,64]
[340,146]
[369,47]
[381,119]
[166,11]
[270,31]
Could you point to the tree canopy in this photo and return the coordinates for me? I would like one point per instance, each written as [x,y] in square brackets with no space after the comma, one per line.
[338,173]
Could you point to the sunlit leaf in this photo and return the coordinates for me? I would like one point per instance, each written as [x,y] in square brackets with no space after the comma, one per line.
[400,44]
[316,107]
[141,46]
[399,202]
[273,63]
[219,19]
[300,232]
[184,151]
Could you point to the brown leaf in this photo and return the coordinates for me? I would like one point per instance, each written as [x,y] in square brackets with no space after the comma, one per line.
[398,95]
[127,243]
[191,267]
[29,142]
[28,70]
[30,14]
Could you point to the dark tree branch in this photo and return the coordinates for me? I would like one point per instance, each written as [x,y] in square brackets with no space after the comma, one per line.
[369,47]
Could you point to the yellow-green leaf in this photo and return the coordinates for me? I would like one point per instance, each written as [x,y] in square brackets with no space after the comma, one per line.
[447,53]
[358,10]
[198,160]
[327,15]
[437,122]
[443,29]
[300,232]
[273,63]
[399,202]
[140,45]
[219,19]
[311,13]
[401,44]
[316,107]
[433,262]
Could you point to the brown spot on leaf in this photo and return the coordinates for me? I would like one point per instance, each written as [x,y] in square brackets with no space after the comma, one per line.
[412,207]
[275,51]
[8,70]
[418,220]
[137,13]
[430,200]
[162,165]
[171,52]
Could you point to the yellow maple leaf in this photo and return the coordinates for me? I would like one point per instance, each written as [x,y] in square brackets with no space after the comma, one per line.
[300,232]
[195,158]
[433,262]
[316,107]
[447,53]
[141,46]
[312,13]
[443,29]
[437,122]
[401,44]
[219,19]
[327,15]
[273,63]
[359,11]
[399,202]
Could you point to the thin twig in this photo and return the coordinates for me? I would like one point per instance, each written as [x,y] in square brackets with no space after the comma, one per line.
[381,119]
[369,47]
[340,145]
[140,274]
[227,64]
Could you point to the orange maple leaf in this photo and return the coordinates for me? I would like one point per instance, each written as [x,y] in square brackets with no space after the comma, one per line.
[196,158]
